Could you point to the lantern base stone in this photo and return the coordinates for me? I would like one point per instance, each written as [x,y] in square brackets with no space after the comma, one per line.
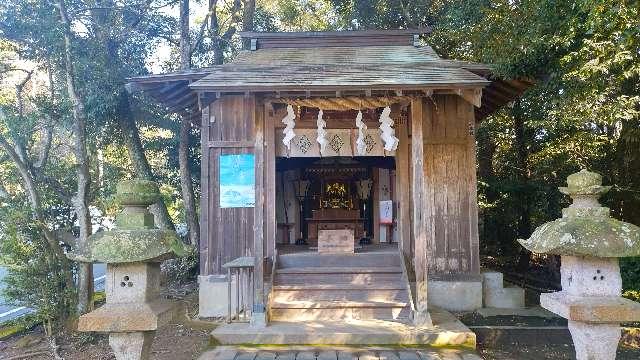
[595,341]
[131,345]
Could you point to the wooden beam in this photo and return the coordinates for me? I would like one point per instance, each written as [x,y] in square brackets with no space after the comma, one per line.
[205,265]
[258,315]
[418,202]
[231,144]
[402,186]
[270,179]
[472,96]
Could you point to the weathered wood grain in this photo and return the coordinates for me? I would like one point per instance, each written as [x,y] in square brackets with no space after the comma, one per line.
[418,205]
[258,210]
[269,178]
[402,190]
[450,182]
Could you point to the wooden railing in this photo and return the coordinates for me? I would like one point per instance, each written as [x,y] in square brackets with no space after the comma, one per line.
[240,269]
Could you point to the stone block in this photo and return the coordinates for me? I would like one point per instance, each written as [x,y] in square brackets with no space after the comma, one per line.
[492,280]
[132,345]
[132,282]
[455,295]
[495,295]
[213,296]
[595,341]
[598,309]
[505,298]
[128,317]
[588,276]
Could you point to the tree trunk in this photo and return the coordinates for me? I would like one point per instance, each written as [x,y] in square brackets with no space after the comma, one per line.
[524,208]
[191,215]
[186,182]
[81,199]
[185,37]
[138,159]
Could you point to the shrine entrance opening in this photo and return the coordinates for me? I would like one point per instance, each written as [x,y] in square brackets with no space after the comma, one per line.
[315,196]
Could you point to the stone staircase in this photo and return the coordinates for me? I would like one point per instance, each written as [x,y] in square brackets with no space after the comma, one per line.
[496,295]
[337,287]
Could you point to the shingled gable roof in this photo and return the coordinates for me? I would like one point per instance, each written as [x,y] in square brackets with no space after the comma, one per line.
[331,61]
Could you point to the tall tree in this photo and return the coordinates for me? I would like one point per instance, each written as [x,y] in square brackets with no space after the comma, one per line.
[81,197]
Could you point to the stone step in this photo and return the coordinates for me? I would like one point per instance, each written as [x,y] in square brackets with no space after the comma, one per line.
[505,298]
[338,275]
[332,292]
[337,353]
[339,260]
[496,295]
[336,310]
[447,331]
[341,270]
[492,279]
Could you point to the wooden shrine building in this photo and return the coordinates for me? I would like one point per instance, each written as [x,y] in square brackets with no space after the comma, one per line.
[339,171]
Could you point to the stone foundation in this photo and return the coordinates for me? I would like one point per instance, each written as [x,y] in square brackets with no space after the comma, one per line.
[213,296]
[496,295]
[455,295]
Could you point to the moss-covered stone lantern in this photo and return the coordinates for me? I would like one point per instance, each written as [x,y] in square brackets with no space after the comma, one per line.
[133,253]
[590,243]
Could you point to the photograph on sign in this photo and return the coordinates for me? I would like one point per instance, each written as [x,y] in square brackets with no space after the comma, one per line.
[237,181]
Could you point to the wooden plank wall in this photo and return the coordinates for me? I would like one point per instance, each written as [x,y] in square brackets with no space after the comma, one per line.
[227,233]
[450,176]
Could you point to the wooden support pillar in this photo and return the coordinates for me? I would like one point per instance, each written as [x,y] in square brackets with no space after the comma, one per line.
[403,215]
[418,203]
[258,318]
[375,194]
[269,180]
[205,264]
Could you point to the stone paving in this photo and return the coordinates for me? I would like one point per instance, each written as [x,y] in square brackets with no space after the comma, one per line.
[336,353]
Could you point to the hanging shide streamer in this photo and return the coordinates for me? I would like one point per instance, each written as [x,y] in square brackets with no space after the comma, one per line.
[322,133]
[387,133]
[361,145]
[290,123]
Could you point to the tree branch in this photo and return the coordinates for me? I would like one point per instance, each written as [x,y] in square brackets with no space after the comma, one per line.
[203,26]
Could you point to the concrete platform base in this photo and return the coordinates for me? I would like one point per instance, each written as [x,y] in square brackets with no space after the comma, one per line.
[214,296]
[455,295]
[336,352]
[447,330]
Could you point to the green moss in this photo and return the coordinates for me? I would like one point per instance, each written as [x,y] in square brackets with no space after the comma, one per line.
[585,236]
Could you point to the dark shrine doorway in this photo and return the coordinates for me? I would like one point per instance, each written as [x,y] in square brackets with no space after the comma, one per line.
[330,193]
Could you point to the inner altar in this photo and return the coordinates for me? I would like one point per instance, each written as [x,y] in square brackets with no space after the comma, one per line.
[335,204]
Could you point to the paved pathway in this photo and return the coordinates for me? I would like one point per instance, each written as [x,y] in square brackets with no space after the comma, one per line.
[338,353]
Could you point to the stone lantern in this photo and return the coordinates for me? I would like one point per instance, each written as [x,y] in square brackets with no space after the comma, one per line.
[590,243]
[133,253]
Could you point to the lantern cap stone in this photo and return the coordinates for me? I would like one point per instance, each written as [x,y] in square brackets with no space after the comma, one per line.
[584,182]
[136,238]
[585,229]
[137,192]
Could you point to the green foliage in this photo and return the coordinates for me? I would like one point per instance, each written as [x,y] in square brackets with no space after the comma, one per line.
[182,269]
[34,278]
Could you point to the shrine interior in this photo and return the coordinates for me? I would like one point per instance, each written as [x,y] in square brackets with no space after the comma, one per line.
[354,193]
